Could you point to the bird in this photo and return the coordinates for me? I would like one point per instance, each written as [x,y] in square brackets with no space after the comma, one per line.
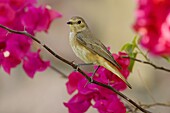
[89,49]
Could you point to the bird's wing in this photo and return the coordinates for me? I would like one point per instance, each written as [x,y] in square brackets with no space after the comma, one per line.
[95,46]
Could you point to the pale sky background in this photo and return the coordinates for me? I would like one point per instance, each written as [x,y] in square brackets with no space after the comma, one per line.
[111,21]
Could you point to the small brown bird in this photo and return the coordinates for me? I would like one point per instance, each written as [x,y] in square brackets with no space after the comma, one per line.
[90,49]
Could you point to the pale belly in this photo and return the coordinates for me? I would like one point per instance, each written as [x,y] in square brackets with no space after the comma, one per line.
[83,53]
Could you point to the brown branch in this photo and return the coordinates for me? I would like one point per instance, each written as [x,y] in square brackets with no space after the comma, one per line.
[148,63]
[76,67]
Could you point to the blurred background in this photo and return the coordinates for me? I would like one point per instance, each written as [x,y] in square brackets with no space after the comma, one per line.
[111,21]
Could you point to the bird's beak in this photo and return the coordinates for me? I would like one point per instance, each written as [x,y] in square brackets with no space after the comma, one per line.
[69,23]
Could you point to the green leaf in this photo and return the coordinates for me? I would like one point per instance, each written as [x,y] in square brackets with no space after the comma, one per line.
[167,58]
[129,48]
[132,62]
[134,42]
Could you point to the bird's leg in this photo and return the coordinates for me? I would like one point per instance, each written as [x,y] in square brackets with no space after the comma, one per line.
[94,73]
[83,64]
[91,78]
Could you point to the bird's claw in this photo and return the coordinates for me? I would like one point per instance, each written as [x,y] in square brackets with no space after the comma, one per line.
[91,79]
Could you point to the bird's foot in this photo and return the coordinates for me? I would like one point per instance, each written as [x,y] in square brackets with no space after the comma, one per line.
[90,81]
[91,78]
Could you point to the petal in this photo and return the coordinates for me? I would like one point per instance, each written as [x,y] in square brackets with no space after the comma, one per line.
[78,104]
[109,104]
[20,44]
[116,106]
[39,19]
[73,80]
[33,63]
[9,60]
[152,23]
[7,14]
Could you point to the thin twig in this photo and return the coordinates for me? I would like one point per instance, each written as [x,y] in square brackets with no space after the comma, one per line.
[149,63]
[130,108]
[156,104]
[75,67]
[146,87]
[144,55]
[57,70]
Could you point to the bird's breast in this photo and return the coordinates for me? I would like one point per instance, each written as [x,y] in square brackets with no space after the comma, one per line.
[82,52]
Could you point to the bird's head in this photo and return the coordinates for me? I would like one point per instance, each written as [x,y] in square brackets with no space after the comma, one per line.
[77,24]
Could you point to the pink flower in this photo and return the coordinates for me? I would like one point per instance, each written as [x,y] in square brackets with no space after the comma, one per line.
[39,19]
[13,49]
[19,44]
[110,104]
[153,24]
[7,14]
[78,104]
[9,60]
[20,4]
[16,48]
[105,101]
[73,78]
[33,63]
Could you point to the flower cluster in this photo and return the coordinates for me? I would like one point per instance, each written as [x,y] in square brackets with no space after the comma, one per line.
[153,24]
[14,48]
[104,100]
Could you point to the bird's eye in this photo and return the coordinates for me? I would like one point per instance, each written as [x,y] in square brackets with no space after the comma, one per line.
[79,22]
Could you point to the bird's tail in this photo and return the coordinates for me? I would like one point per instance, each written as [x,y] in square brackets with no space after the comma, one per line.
[114,70]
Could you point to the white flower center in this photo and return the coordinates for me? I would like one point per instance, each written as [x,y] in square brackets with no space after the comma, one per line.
[6,54]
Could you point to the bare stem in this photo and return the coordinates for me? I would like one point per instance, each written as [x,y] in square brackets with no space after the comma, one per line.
[148,63]
[75,67]
[144,55]
[156,104]
[58,71]
[130,108]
